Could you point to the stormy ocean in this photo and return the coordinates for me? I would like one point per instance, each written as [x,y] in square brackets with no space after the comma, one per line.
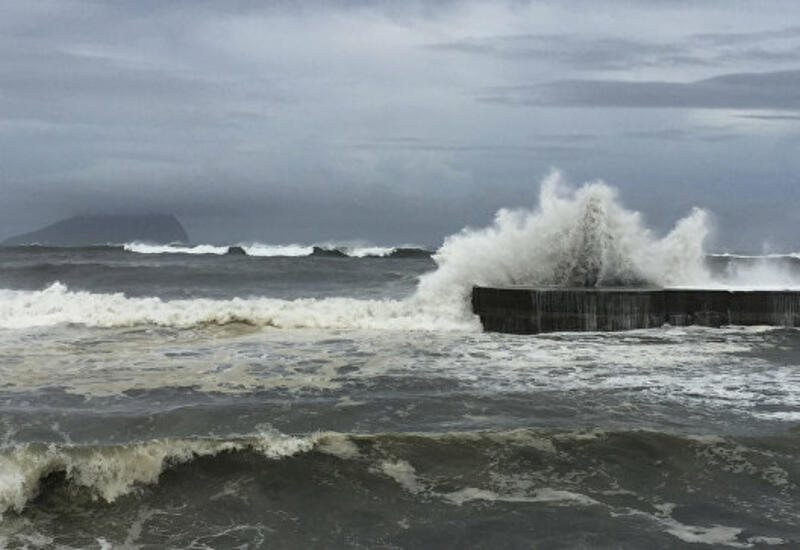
[180,397]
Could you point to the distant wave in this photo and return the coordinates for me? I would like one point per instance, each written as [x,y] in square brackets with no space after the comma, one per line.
[57,304]
[286,250]
[143,248]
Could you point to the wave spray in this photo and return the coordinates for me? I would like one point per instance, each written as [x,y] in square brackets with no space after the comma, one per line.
[574,238]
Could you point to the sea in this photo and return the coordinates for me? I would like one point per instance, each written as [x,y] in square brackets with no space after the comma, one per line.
[166,396]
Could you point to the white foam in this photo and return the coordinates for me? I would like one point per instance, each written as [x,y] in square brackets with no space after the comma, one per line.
[406,476]
[58,305]
[144,248]
[544,495]
[362,252]
[259,249]
[580,237]
[403,473]
[338,445]
[759,273]
[736,458]
[768,541]
[293,250]
[110,472]
[717,534]
[252,249]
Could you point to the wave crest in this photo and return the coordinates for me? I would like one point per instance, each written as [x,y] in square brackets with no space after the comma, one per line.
[277,250]
[58,305]
[113,471]
[580,237]
[414,461]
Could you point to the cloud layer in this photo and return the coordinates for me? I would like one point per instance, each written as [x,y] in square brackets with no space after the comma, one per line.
[772,91]
[396,122]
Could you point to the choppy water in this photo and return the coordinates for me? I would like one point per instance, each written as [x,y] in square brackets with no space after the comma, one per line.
[207,401]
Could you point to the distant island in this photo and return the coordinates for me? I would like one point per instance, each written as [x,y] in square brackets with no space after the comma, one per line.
[101,230]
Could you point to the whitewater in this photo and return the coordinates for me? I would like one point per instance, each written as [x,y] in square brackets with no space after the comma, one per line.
[267,250]
[573,238]
[179,396]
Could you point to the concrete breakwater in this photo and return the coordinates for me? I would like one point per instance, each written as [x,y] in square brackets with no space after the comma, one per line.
[525,310]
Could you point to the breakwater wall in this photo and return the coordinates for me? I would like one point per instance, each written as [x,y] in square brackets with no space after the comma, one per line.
[525,310]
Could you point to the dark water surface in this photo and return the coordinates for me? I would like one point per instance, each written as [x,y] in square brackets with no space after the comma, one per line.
[206,401]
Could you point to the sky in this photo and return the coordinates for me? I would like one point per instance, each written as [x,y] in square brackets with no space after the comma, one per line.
[398,122]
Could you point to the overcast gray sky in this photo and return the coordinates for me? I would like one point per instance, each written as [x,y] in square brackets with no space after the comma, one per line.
[397,122]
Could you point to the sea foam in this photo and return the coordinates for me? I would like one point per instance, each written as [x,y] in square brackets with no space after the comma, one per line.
[58,305]
[109,472]
[263,250]
[585,237]
[573,237]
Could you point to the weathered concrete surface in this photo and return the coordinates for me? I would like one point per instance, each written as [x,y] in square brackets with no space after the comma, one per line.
[524,310]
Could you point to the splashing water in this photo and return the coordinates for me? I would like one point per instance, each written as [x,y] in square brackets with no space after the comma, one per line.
[580,237]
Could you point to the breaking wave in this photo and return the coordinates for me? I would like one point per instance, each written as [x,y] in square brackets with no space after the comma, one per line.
[574,238]
[112,471]
[528,466]
[58,305]
[279,250]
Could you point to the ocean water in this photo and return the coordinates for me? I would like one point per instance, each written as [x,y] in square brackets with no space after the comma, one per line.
[157,397]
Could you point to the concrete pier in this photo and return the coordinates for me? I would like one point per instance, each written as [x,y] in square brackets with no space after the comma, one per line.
[525,310]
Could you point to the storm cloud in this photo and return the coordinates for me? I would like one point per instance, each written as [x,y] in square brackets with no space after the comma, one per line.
[396,122]
[778,91]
